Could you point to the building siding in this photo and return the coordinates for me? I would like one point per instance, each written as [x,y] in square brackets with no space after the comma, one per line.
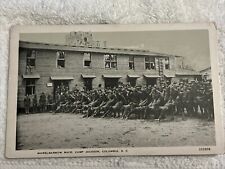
[46,67]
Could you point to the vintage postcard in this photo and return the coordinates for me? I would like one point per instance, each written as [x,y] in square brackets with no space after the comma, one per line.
[113,90]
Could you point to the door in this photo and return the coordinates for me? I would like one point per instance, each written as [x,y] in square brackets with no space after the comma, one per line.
[88,83]
[111,82]
[132,81]
[60,86]
[151,81]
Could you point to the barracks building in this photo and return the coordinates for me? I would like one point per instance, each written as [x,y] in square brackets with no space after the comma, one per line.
[86,64]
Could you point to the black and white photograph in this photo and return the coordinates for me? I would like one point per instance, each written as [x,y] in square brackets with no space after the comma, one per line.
[115,90]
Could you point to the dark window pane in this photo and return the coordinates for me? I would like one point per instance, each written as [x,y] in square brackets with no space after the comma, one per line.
[30,86]
[62,55]
[167,66]
[132,82]
[131,65]
[147,66]
[87,63]
[152,65]
[61,63]
[31,62]
[107,64]
[113,65]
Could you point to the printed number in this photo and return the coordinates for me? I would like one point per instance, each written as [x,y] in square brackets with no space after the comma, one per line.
[204,149]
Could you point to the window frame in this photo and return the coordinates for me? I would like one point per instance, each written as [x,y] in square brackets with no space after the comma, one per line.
[60,59]
[131,62]
[148,60]
[87,60]
[110,61]
[31,85]
[30,57]
[167,64]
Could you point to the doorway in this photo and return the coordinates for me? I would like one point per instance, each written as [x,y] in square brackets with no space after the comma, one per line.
[151,81]
[60,86]
[88,83]
[132,81]
[111,82]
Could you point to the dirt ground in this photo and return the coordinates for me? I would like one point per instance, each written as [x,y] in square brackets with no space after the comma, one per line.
[49,130]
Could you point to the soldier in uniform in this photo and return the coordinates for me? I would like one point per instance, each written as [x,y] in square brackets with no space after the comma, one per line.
[194,98]
[209,103]
[179,104]
[27,104]
[167,109]
[42,102]
[34,103]
[50,103]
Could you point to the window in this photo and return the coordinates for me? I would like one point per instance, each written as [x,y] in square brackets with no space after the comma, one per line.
[87,60]
[30,86]
[110,61]
[167,63]
[60,59]
[131,62]
[31,57]
[149,63]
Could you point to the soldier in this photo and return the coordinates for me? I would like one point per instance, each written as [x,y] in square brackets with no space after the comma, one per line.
[194,98]
[179,104]
[120,101]
[166,109]
[62,88]
[108,105]
[209,103]
[34,103]
[201,101]
[50,103]
[153,107]
[27,104]
[42,102]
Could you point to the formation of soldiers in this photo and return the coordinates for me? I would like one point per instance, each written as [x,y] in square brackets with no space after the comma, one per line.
[45,103]
[185,98]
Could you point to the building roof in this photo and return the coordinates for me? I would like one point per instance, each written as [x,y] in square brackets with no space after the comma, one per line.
[151,76]
[62,78]
[112,76]
[31,76]
[35,45]
[88,76]
[186,72]
[206,69]
[133,76]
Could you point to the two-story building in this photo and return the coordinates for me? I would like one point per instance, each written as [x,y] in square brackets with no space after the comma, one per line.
[43,67]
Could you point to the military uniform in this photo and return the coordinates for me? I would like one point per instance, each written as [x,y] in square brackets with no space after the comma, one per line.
[34,101]
[42,102]
[27,104]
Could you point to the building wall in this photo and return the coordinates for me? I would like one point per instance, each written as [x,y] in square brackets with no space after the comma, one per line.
[206,74]
[181,77]
[46,67]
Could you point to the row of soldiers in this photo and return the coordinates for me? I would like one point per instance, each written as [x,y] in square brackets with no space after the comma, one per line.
[45,103]
[185,98]
[193,98]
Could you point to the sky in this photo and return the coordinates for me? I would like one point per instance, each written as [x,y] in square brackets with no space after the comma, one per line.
[193,45]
